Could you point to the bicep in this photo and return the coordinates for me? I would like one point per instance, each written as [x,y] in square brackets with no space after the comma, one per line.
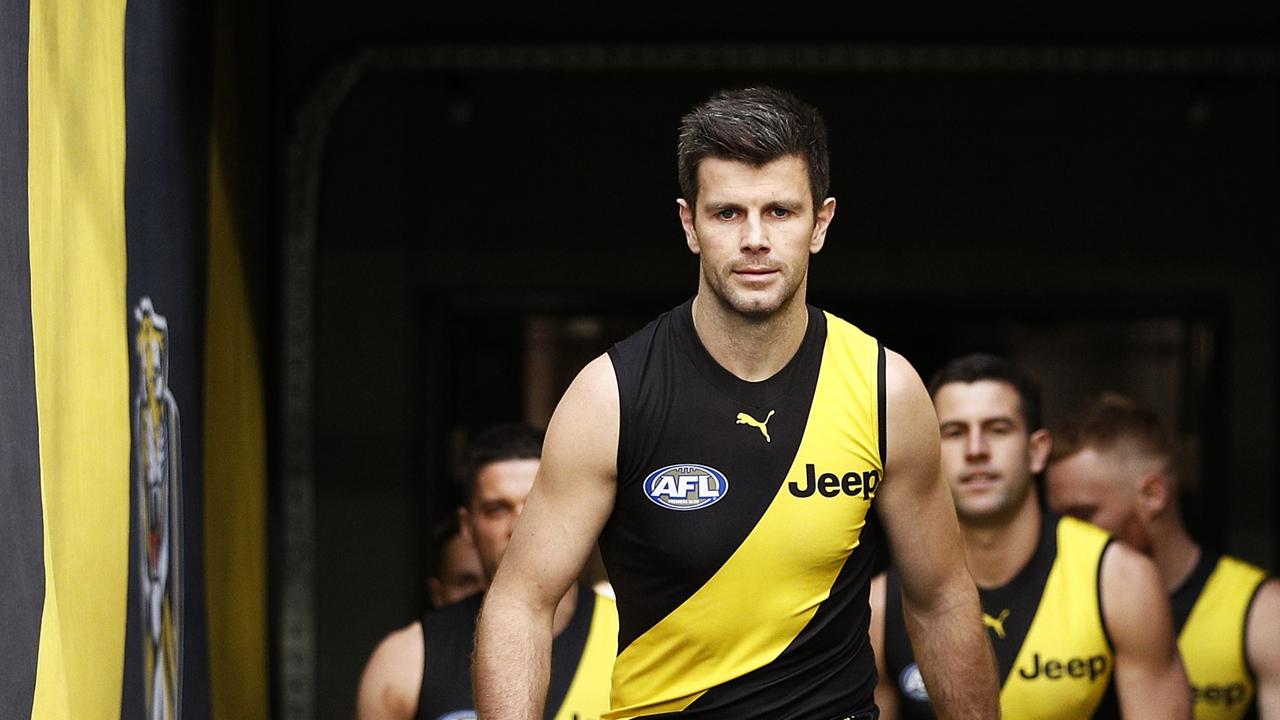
[573,493]
[914,503]
[1263,648]
[1149,676]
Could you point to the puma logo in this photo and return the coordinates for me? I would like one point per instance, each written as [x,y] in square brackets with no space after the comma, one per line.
[745,419]
[996,623]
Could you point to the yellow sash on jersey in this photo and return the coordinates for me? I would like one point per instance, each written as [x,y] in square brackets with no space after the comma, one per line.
[588,694]
[1212,642]
[1065,663]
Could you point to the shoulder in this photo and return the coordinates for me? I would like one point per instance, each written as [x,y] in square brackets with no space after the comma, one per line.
[589,406]
[1126,571]
[1131,593]
[593,390]
[598,377]
[392,678]
[1262,631]
[910,420]
[900,376]
[585,423]
[1266,599]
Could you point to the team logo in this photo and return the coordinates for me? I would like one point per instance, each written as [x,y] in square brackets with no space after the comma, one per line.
[158,467]
[912,684]
[686,487]
[459,715]
[996,623]
[761,425]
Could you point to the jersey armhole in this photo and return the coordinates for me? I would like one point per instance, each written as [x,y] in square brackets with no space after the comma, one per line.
[1244,631]
[1102,615]
[881,406]
[624,443]
[422,684]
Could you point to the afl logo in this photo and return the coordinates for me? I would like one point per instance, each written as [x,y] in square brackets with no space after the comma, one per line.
[686,487]
[912,684]
[459,715]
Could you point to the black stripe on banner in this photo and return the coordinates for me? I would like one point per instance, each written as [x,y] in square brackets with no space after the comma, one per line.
[167,84]
[21,524]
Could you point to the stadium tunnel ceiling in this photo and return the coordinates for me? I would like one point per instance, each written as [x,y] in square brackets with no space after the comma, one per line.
[312,35]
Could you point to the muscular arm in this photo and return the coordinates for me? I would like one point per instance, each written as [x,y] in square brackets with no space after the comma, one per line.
[1149,677]
[570,501]
[390,682]
[1262,648]
[939,599]
[886,695]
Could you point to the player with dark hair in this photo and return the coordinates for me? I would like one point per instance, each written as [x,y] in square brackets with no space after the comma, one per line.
[726,458]
[1114,464]
[423,671]
[1077,630]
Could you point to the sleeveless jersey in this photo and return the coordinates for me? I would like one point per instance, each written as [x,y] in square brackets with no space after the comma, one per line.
[581,658]
[737,545]
[1051,645]
[1210,611]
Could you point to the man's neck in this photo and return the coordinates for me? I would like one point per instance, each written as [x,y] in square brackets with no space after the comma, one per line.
[752,349]
[564,610]
[1173,551]
[998,551]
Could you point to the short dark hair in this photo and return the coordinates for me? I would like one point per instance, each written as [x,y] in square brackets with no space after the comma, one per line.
[507,441]
[756,125]
[1109,417]
[983,366]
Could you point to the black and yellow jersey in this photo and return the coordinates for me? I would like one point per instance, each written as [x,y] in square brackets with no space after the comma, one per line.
[581,659]
[1052,649]
[737,545]
[1210,612]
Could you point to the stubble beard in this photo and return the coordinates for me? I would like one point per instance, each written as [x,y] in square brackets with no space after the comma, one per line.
[1000,513]
[752,308]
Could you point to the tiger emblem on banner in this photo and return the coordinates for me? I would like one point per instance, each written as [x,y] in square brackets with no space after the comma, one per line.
[158,466]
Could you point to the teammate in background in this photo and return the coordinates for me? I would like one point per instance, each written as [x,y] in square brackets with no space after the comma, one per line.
[1115,465]
[1076,620]
[423,671]
[457,573]
[727,457]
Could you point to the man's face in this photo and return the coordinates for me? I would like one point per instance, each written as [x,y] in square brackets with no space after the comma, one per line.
[500,491]
[460,574]
[988,458]
[753,229]
[1099,486]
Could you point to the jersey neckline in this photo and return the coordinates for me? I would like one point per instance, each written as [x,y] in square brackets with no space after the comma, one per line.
[760,393]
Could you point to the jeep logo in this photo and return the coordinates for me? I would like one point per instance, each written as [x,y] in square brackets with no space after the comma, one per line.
[1227,695]
[830,485]
[1093,668]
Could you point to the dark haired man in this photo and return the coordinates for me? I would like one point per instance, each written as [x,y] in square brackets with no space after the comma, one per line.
[423,671]
[1079,626]
[726,457]
[1114,464]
